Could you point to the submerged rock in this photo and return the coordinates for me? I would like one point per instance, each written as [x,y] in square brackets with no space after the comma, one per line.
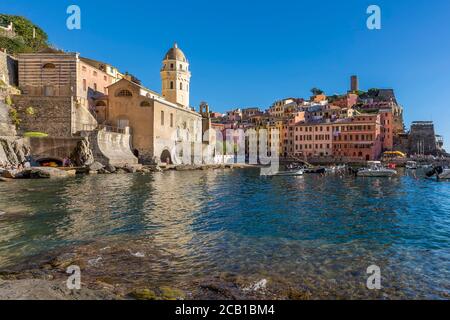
[143,294]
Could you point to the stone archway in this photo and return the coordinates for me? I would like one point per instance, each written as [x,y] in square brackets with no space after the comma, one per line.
[166,157]
[50,162]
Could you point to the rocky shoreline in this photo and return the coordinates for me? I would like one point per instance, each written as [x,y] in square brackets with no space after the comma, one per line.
[46,280]
[97,168]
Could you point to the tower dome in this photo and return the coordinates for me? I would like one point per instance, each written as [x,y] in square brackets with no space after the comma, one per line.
[175,53]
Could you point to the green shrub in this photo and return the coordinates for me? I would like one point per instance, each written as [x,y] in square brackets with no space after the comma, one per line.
[14,115]
[35,135]
[8,101]
[30,111]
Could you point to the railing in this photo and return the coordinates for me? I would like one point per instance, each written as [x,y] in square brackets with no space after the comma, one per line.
[92,127]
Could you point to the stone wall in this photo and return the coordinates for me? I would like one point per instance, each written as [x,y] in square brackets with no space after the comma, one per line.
[51,115]
[52,148]
[8,69]
[112,148]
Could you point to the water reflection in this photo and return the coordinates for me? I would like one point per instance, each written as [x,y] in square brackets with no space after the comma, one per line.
[319,231]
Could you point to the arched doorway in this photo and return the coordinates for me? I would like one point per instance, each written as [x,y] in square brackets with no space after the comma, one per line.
[49,162]
[166,157]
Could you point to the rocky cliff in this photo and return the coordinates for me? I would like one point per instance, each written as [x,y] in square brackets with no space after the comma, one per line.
[13,151]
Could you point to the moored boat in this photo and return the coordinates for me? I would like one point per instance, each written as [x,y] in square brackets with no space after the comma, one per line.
[411,165]
[440,173]
[376,169]
[291,173]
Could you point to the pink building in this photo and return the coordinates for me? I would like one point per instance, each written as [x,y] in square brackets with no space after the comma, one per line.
[310,140]
[358,138]
[387,130]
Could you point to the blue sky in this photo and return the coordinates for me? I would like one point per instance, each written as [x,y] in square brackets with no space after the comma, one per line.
[251,53]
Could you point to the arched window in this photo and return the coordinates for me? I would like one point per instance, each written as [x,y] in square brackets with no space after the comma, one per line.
[100,104]
[171,84]
[162,118]
[145,104]
[124,93]
[181,86]
[49,66]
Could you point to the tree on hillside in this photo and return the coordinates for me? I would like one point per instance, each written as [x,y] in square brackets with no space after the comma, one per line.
[316,91]
[28,38]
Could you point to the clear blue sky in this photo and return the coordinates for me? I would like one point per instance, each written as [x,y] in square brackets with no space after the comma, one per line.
[251,53]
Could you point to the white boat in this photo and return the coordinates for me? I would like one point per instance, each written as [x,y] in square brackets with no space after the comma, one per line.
[376,169]
[292,173]
[411,165]
[445,175]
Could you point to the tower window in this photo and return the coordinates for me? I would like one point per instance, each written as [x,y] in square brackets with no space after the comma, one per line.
[171,66]
[171,84]
[162,118]
[181,86]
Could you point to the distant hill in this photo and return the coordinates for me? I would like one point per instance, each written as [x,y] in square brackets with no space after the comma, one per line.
[23,39]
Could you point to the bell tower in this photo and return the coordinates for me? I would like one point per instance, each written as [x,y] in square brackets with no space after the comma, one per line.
[176,77]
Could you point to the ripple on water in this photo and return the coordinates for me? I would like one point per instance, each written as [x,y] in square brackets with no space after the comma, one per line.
[320,233]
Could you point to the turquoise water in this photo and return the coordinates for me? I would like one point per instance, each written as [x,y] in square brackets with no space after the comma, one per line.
[313,231]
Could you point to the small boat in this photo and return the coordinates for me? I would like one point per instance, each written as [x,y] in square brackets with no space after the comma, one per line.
[319,170]
[376,169]
[426,166]
[411,165]
[290,173]
[440,173]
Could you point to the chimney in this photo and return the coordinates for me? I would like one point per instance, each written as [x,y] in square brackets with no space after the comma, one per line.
[354,85]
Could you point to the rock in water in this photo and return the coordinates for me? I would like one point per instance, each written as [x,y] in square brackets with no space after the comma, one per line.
[44,173]
[83,156]
[110,168]
[96,166]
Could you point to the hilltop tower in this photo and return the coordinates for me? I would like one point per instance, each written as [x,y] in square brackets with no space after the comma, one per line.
[354,84]
[175,77]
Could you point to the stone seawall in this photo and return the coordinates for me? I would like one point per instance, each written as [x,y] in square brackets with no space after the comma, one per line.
[52,147]
[55,116]
[112,148]
[50,115]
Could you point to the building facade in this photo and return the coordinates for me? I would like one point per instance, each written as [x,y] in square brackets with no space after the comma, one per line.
[158,122]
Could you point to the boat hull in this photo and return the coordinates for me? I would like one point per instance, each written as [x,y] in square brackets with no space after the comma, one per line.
[381,174]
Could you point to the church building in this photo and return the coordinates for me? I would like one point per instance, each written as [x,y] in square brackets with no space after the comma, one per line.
[156,121]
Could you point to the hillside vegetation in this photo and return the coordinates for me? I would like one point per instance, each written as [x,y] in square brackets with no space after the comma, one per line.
[24,40]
